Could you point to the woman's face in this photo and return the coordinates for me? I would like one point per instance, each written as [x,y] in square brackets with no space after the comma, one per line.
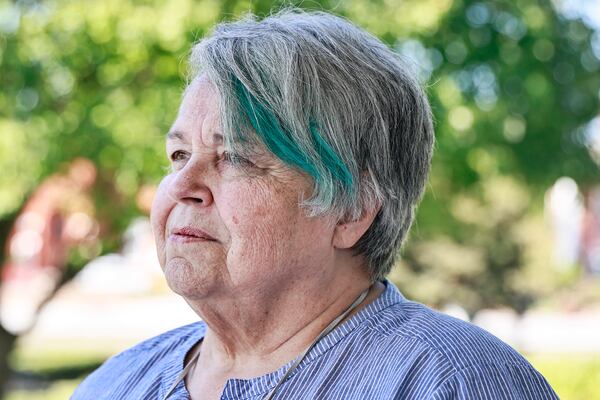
[223,231]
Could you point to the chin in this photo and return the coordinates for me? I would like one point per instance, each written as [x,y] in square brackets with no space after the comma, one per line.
[189,281]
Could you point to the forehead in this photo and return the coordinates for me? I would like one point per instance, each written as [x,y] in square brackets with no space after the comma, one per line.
[198,116]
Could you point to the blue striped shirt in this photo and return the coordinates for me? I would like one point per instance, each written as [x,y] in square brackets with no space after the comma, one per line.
[391,349]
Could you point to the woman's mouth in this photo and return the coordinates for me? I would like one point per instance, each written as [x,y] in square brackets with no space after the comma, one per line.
[189,234]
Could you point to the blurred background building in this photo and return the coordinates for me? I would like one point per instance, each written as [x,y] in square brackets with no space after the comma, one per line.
[508,234]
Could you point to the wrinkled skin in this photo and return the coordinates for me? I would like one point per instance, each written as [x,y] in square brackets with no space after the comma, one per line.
[263,239]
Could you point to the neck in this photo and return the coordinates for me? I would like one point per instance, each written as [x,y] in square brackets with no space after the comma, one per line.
[255,334]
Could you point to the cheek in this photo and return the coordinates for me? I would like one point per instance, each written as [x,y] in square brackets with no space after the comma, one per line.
[159,214]
[247,210]
[261,225]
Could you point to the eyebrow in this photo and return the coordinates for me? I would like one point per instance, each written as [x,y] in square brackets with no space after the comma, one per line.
[175,135]
[178,135]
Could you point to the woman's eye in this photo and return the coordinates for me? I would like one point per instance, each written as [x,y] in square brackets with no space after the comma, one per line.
[178,156]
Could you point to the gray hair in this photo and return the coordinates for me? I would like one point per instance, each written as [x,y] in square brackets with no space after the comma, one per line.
[350,110]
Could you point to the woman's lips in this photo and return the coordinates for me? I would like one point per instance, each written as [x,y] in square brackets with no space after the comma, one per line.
[189,234]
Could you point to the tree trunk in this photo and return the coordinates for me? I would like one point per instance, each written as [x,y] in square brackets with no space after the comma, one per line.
[7,339]
[7,343]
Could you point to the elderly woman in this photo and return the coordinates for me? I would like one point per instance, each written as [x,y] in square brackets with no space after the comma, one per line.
[300,151]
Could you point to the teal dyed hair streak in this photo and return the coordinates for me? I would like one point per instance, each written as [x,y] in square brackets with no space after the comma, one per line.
[268,128]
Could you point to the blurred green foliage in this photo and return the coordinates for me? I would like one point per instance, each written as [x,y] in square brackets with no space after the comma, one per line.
[572,377]
[511,84]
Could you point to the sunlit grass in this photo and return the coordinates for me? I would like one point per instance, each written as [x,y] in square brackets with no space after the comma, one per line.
[56,361]
[572,377]
[53,373]
[58,390]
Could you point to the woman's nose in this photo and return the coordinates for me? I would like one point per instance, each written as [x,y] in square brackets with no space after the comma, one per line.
[189,184]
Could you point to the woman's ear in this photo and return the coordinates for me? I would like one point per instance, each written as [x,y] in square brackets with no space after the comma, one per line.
[347,233]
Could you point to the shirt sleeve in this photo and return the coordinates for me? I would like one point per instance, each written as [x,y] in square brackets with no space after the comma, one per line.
[109,381]
[497,382]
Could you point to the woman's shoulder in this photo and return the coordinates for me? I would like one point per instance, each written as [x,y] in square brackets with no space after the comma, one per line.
[445,357]
[143,369]
[460,343]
